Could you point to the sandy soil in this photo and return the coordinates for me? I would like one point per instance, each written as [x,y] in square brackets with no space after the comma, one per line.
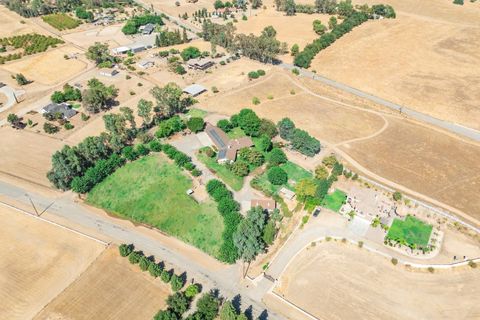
[38,68]
[341,281]
[29,154]
[37,262]
[124,292]
[423,59]
[326,120]
[429,162]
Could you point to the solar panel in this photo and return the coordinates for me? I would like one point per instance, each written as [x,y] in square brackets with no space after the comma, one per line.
[217,138]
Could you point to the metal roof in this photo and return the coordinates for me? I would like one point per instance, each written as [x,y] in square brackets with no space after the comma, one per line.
[194,89]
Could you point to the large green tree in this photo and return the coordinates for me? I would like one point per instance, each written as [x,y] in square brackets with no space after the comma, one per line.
[170,99]
[98,96]
[145,111]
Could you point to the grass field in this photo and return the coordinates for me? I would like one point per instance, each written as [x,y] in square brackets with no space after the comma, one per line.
[61,21]
[412,231]
[236,133]
[197,113]
[335,200]
[295,173]
[153,191]
[233,181]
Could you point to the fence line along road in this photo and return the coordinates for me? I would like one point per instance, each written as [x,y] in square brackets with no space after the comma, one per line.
[449,126]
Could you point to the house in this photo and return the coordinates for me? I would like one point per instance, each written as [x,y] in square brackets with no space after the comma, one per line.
[145,64]
[200,64]
[265,204]
[64,108]
[227,149]
[120,50]
[286,193]
[194,90]
[148,28]
[108,72]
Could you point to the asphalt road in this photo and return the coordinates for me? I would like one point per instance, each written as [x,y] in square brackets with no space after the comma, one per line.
[449,126]
[227,280]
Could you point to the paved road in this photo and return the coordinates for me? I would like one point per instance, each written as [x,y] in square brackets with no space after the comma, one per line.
[449,126]
[227,280]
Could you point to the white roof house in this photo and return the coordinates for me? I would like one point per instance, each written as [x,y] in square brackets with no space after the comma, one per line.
[120,50]
[194,89]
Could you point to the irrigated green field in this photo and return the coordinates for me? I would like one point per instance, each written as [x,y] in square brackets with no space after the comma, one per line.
[335,200]
[411,231]
[152,190]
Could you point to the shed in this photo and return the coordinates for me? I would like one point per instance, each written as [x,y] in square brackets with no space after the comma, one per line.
[120,50]
[108,72]
[194,89]
[137,47]
[148,28]
[286,193]
[145,64]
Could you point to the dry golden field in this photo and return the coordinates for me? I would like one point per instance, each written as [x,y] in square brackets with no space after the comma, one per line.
[341,281]
[37,262]
[424,59]
[11,24]
[111,288]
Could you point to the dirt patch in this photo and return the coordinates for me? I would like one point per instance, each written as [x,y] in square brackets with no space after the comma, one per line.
[422,60]
[112,35]
[12,24]
[29,155]
[424,160]
[38,68]
[124,292]
[37,262]
[341,281]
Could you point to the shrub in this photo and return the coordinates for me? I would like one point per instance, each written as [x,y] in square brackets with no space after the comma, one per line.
[240,168]
[214,89]
[394,261]
[129,153]
[295,71]
[68,126]
[155,269]
[192,290]
[196,172]
[431,269]
[179,69]
[255,101]
[190,53]
[261,72]
[225,125]
[459,2]
[84,117]
[144,263]
[142,150]
[135,256]
[277,176]
[177,282]
[360,244]
[472,264]
[276,157]
[397,196]
[50,128]
[253,75]
[195,124]
[155,146]
[166,276]
[125,249]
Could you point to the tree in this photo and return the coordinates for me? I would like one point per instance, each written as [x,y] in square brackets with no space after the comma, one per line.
[128,116]
[304,143]
[286,127]
[195,124]
[125,249]
[14,120]
[144,263]
[239,168]
[166,315]
[192,290]
[332,22]
[50,128]
[190,53]
[177,282]
[135,257]
[321,172]
[277,176]
[264,48]
[264,143]
[305,189]
[225,125]
[329,161]
[207,306]
[345,8]
[170,100]
[218,4]
[318,27]
[276,157]
[269,232]
[166,276]
[178,303]
[98,96]
[21,80]
[99,53]
[251,156]
[145,111]
[228,312]
[268,128]
[294,50]
[67,164]
[290,7]
[155,270]
[326,6]
[249,122]
[397,196]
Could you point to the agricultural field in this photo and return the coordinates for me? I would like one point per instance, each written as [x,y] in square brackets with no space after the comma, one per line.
[411,231]
[61,21]
[37,262]
[321,277]
[16,47]
[436,78]
[124,292]
[157,196]
[335,200]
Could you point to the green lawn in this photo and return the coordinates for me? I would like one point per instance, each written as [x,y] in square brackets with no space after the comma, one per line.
[236,133]
[335,200]
[233,181]
[153,191]
[295,174]
[411,231]
[197,113]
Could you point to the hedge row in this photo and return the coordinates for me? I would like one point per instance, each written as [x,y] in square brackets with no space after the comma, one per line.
[181,159]
[229,209]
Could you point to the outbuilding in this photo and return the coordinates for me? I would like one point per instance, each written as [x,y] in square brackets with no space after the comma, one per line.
[194,90]
[108,72]
[265,204]
[286,193]
[145,64]
[120,50]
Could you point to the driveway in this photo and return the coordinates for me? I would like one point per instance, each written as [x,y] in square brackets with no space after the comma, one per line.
[10,94]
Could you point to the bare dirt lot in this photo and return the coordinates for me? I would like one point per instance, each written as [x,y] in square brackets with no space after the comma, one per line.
[111,288]
[424,160]
[111,35]
[37,262]
[29,155]
[11,24]
[423,59]
[342,281]
[48,68]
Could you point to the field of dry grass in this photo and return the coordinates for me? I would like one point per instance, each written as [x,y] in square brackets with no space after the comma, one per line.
[341,281]
[37,262]
[111,288]
[12,24]
[423,59]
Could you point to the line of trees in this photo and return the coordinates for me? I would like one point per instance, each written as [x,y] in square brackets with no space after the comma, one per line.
[299,139]
[169,38]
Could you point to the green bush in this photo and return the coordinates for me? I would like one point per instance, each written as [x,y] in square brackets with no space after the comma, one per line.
[177,282]
[261,72]
[135,257]
[155,146]
[192,290]
[144,263]
[166,276]
[277,176]
[125,249]
[155,269]
[253,75]
[195,124]
[255,101]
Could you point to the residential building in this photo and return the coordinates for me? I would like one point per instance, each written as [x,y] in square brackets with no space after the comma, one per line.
[200,64]
[64,108]
[148,28]
[227,148]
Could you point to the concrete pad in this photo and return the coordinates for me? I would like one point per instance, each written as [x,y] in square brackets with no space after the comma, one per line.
[204,139]
[359,226]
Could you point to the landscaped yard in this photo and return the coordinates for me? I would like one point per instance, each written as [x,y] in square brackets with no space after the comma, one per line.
[236,133]
[295,173]
[410,232]
[335,200]
[197,113]
[152,190]
[232,180]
